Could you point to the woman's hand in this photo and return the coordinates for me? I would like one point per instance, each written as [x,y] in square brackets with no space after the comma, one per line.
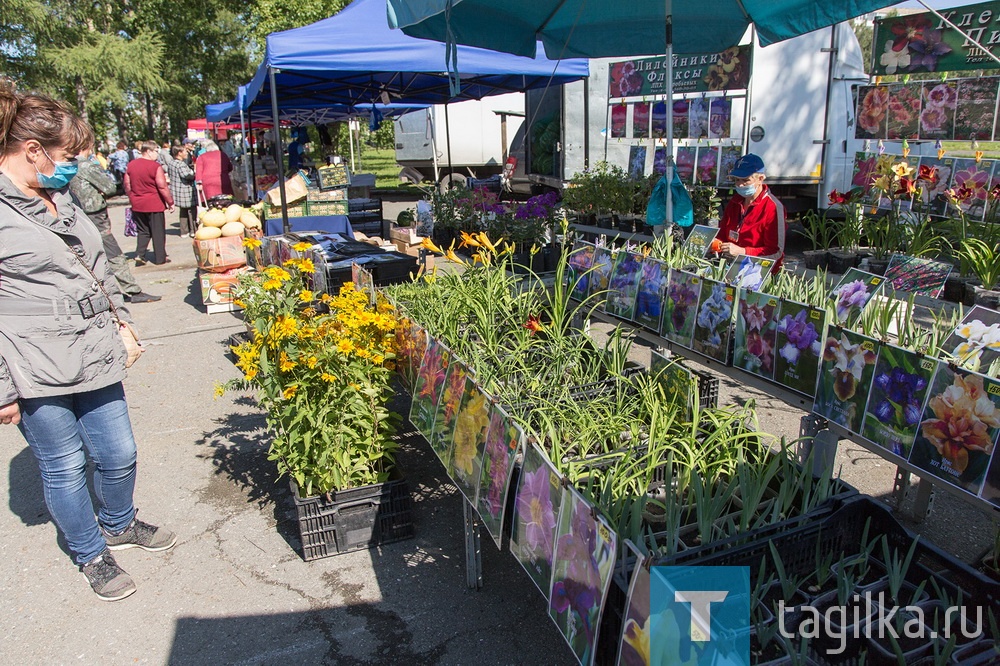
[10,414]
[732,249]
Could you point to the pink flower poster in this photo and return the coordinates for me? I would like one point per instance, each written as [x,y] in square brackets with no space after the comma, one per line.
[708,166]
[756,333]
[640,120]
[427,387]
[619,116]
[503,439]
[977,100]
[903,111]
[872,113]
[932,192]
[864,169]
[456,385]
[536,511]
[685,163]
[971,182]
[937,114]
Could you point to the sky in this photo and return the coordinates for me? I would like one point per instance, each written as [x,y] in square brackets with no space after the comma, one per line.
[936,4]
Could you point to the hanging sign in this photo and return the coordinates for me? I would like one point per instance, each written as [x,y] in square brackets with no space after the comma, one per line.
[698,72]
[924,43]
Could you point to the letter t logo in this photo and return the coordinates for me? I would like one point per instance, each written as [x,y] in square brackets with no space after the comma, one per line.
[701,611]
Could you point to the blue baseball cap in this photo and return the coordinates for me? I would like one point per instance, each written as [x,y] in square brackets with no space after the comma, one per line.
[747,166]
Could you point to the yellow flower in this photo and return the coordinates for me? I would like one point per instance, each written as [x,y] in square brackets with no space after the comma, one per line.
[277,273]
[356,387]
[251,243]
[307,266]
[469,240]
[301,246]
[451,256]
[362,352]
[271,284]
[289,392]
[250,374]
[311,362]
[220,390]
[902,169]
[428,244]
[327,377]
[284,363]
[486,242]
[238,303]
[345,346]
[377,359]
[306,296]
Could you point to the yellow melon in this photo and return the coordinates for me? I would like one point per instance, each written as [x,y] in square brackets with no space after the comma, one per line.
[233,212]
[249,220]
[233,229]
[207,233]
[213,218]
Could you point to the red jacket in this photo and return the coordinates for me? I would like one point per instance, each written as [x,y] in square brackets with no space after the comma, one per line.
[146,186]
[759,228]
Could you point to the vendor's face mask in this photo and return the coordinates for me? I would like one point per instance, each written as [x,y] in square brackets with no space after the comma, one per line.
[61,175]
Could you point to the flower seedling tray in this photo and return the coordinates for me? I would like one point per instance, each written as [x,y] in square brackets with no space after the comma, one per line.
[354,519]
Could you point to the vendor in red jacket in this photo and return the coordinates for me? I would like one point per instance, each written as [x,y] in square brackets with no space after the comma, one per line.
[754,220]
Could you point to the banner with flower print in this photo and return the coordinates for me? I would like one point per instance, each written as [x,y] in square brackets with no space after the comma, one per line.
[853,293]
[975,344]
[693,72]
[845,377]
[640,120]
[578,275]
[756,333]
[503,440]
[959,427]
[455,386]
[624,285]
[536,511]
[427,387]
[469,441]
[649,298]
[600,276]
[584,557]
[903,112]
[680,307]
[917,275]
[412,340]
[634,646]
[799,344]
[896,400]
[924,43]
[713,324]
[747,272]
[977,101]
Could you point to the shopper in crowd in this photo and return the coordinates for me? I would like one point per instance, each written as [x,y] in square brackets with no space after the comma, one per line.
[136,150]
[295,154]
[163,157]
[181,177]
[119,163]
[212,168]
[101,160]
[753,222]
[90,186]
[65,340]
[146,186]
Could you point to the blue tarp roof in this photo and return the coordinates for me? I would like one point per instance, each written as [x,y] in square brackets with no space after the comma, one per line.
[355,59]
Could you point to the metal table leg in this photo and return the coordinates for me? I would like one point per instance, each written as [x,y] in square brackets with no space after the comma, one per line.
[473,553]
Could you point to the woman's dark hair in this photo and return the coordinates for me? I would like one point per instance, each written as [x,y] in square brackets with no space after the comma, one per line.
[48,121]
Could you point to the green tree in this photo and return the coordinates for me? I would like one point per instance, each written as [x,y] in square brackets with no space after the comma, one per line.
[269,16]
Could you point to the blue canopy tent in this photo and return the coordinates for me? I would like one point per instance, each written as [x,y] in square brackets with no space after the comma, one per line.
[355,59]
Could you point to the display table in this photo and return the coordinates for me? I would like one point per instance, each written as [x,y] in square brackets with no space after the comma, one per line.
[335,224]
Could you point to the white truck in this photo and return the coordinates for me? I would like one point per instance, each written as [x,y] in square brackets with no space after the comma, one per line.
[797,114]
[481,132]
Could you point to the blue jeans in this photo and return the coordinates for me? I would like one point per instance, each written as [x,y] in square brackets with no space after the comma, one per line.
[58,430]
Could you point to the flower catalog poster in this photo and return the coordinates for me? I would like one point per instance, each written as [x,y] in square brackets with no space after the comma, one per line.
[677,381]
[712,324]
[581,260]
[756,333]
[427,387]
[959,428]
[412,342]
[640,120]
[853,293]
[536,510]
[917,275]
[469,440]
[748,272]
[845,376]
[649,299]
[975,344]
[699,240]
[455,388]
[633,649]
[624,285]
[977,100]
[581,572]
[680,307]
[619,116]
[503,439]
[937,115]
[798,346]
[899,387]
[600,276]
[903,111]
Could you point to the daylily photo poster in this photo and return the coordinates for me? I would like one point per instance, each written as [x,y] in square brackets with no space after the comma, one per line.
[680,307]
[411,339]
[904,111]
[972,179]
[619,115]
[600,276]
[873,110]
[712,324]
[681,108]
[937,110]
[685,164]
[756,333]
[799,345]
[640,120]
[427,387]
[624,285]
[698,118]
[455,386]
[637,162]
[699,240]
[917,274]
[896,401]
[977,100]
[536,511]
[503,439]
[727,160]
[958,431]
[748,272]
[581,260]
[864,169]
[707,172]
[649,299]
[581,572]
[938,173]
[720,118]
[852,294]
[845,377]
[633,649]
[975,343]
[659,123]
[469,440]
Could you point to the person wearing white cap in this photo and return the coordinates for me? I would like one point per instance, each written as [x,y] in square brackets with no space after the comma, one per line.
[753,222]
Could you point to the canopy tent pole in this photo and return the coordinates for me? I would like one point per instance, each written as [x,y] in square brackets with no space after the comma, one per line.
[360,165]
[246,153]
[434,152]
[252,149]
[350,141]
[285,226]
[669,103]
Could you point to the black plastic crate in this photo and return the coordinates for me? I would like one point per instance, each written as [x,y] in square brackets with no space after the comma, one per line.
[354,519]
[236,339]
[708,388]
[392,272]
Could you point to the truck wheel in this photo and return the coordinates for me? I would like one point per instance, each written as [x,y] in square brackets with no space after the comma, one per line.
[451,182]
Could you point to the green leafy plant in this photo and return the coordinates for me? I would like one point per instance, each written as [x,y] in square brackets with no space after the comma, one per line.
[819,229]
[982,259]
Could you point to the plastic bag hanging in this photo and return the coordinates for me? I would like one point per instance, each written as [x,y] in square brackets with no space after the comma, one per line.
[375,119]
[656,209]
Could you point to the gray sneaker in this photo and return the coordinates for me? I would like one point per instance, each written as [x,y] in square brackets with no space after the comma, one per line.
[109,580]
[141,535]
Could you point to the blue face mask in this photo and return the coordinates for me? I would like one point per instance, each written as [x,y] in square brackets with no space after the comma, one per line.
[64,172]
[746,190]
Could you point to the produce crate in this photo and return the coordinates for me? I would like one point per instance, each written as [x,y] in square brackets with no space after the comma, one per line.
[354,519]
[708,388]
[325,208]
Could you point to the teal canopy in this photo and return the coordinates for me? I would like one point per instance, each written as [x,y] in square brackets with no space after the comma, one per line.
[602,28]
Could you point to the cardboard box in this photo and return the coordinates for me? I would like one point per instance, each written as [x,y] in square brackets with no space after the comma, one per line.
[220,254]
[217,288]
[407,235]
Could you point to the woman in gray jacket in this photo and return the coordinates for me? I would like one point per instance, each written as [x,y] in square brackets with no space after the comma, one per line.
[62,356]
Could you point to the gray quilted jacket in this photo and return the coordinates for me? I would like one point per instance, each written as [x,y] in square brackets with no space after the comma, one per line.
[57,332]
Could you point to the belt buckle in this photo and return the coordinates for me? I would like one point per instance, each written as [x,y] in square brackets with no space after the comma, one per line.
[86,308]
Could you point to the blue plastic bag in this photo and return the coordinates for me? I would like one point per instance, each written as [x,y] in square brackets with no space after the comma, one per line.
[656,209]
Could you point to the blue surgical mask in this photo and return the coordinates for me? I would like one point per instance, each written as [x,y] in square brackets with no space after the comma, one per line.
[746,190]
[64,172]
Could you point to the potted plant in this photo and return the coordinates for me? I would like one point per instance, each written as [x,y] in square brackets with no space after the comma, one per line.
[819,230]
[582,196]
[983,260]
[321,369]
[849,231]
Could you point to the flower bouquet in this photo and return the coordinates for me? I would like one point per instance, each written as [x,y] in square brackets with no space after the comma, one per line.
[897,398]
[846,374]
